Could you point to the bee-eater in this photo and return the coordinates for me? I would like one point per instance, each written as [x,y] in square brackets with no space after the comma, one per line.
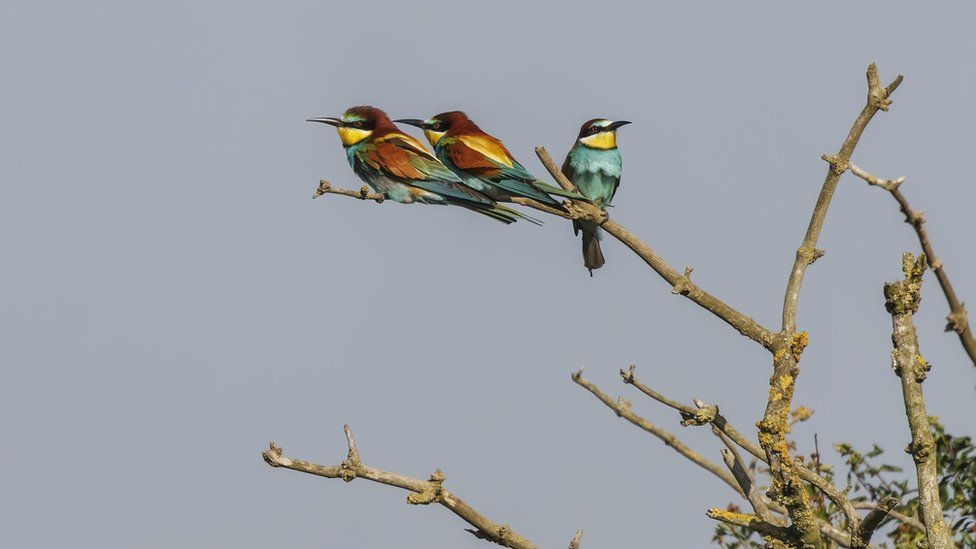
[399,167]
[593,165]
[482,161]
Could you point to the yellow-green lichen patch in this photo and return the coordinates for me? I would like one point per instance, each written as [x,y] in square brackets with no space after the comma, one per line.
[798,343]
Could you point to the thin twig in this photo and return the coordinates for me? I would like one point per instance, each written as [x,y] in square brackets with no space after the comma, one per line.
[957,320]
[554,171]
[575,543]
[734,462]
[886,184]
[365,194]
[630,379]
[622,408]
[901,300]
[422,492]
[362,194]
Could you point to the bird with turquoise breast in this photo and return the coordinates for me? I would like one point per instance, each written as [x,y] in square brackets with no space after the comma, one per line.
[482,161]
[593,165]
[400,168]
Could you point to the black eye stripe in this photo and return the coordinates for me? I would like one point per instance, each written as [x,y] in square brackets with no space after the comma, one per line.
[358,124]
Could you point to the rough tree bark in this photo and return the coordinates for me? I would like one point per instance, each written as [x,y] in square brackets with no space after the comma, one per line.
[901,300]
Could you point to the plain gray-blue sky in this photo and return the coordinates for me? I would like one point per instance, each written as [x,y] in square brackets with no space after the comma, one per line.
[172,299]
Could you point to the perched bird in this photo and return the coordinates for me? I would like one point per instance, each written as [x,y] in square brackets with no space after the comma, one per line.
[400,167]
[482,161]
[593,165]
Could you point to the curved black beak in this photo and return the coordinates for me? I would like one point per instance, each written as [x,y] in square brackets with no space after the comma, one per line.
[617,124]
[411,121]
[327,120]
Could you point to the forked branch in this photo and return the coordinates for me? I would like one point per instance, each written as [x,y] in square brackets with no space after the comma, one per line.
[787,487]
[957,320]
[422,492]
[877,100]
[622,408]
[702,414]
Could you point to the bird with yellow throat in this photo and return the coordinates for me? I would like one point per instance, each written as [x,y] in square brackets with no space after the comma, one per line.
[482,161]
[594,165]
[400,168]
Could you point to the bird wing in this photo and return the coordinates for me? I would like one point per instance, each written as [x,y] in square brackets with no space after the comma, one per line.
[478,154]
[405,159]
[486,158]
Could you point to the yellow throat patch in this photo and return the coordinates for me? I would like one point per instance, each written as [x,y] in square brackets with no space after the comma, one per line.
[351,136]
[433,137]
[602,140]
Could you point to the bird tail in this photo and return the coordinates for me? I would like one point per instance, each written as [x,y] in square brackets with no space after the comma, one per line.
[510,211]
[499,213]
[592,254]
[558,191]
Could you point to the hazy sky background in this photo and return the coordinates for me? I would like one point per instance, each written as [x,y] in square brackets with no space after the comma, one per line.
[172,298]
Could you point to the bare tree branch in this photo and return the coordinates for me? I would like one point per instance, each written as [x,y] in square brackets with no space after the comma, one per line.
[622,408]
[631,379]
[365,194]
[901,300]
[706,413]
[873,519]
[751,522]
[554,170]
[422,492]
[957,320]
[680,283]
[709,414]
[902,518]
[575,543]
[787,487]
[734,462]
[886,184]
[807,252]
[362,194]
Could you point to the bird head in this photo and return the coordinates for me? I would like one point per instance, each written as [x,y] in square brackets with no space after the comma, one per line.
[600,133]
[357,124]
[436,126]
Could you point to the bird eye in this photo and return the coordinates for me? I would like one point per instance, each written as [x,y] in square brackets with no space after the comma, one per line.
[358,123]
[436,126]
[594,128]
